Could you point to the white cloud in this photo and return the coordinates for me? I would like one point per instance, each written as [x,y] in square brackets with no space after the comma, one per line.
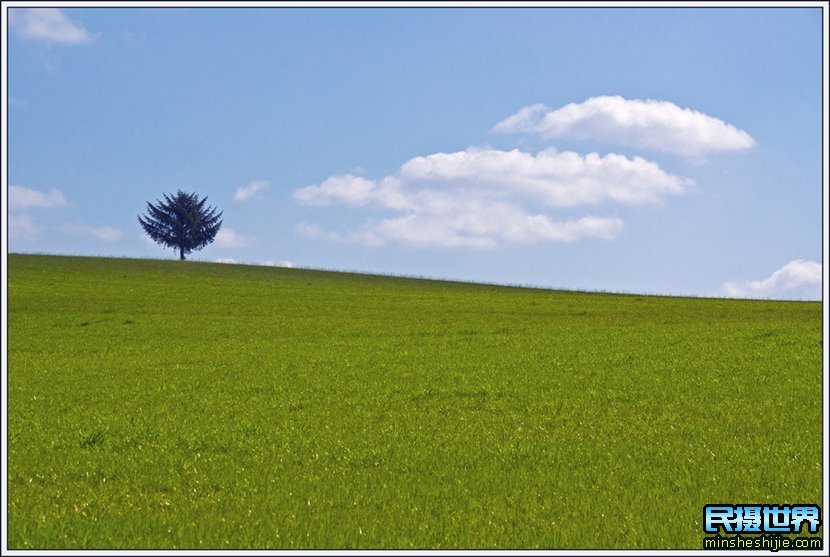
[797,280]
[225,260]
[550,177]
[243,193]
[230,238]
[346,189]
[49,25]
[554,178]
[103,233]
[486,227]
[26,198]
[650,124]
[286,264]
[22,228]
[528,119]
[476,198]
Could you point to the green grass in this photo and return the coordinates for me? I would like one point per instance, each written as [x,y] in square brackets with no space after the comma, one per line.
[167,404]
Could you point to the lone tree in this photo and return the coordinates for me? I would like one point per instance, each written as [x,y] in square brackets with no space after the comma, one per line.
[182,222]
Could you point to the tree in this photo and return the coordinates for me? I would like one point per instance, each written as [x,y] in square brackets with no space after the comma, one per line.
[182,222]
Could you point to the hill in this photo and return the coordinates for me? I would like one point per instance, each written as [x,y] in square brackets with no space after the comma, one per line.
[167,404]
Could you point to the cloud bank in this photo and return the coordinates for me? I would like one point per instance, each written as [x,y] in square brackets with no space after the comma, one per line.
[485,197]
[478,197]
[49,25]
[649,124]
[797,280]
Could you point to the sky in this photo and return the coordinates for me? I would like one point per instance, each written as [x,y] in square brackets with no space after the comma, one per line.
[668,150]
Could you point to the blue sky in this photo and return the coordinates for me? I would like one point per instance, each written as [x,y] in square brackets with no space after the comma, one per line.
[671,150]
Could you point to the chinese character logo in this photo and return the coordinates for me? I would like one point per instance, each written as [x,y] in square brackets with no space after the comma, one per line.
[782,519]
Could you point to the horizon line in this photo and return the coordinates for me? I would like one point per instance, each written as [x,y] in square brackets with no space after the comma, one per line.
[524,286]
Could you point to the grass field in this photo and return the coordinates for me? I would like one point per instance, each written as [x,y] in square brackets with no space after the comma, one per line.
[167,404]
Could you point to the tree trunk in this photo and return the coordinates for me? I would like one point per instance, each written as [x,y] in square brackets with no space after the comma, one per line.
[181,253]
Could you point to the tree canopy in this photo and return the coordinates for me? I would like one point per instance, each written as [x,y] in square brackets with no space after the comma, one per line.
[182,222]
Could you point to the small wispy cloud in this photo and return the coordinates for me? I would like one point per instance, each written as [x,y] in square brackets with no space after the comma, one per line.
[797,280]
[102,233]
[225,260]
[486,228]
[49,25]
[344,189]
[23,228]
[26,198]
[244,193]
[230,238]
[650,124]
